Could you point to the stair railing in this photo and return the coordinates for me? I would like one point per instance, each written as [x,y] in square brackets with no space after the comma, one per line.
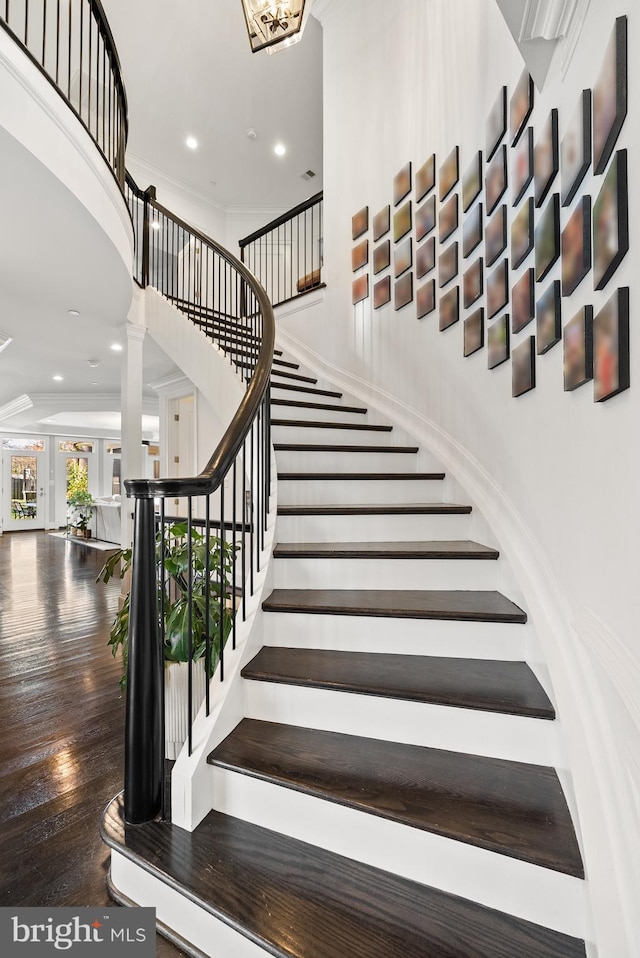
[224,509]
[286,255]
[71,43]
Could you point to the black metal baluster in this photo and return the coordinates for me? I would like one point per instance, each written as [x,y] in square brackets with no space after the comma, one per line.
[190,617]
[221,582]
[163,636]
[233,543]
[244,531]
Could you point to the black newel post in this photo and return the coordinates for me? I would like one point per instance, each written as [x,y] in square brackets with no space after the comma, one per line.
[144,734]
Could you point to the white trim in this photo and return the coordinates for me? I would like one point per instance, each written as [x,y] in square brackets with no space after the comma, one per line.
[546,19]
[573,34]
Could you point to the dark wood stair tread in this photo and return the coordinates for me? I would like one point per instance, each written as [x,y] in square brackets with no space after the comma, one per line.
[482,684]
[327,424]
[306,389]
[328,407]
[285,362]
[299,901]
[297,376]
[338,447]
[505,807]
[347,476]
[438,549]
[473,606]
[376,509]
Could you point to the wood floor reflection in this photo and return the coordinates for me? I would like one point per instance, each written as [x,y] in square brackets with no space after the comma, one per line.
[61,722]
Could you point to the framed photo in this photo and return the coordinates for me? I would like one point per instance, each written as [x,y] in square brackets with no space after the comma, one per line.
[472,181]
[403,291]
[426,298]
[547,237]
[495,237]
[610,96]
[522,234]
[578,349]
[472,283]
[425,257]
[449,308]
[360,223]
[474,332]
[575,149]
[449,173]
[448,220]
[448,264]
[549,318]
[402,221]
[523,367]
[403,257]
[520,106]
[381,223]
[496,179]
[426,217]
[611,347]
[381,256]
[497,123]
[472,230]
[360,288]
[359,256]
[522,166]
[545,158]
[498,289]
[382,292]
[611,222]
[426,178]
[402,184]
[523,302]
[498,342]
[576,246]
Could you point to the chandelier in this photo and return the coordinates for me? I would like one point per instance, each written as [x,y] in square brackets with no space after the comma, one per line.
[273,25]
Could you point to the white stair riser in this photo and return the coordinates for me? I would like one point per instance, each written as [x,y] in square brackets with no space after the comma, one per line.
[345,633]
[366,528]
[360,437]
[331,461]
[385,574]
[343,491]
[496,881]
[509,737]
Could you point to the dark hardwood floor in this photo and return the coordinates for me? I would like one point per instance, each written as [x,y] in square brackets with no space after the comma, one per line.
[62,720]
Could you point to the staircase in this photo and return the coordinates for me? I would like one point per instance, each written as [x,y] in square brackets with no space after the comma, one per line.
[391,789]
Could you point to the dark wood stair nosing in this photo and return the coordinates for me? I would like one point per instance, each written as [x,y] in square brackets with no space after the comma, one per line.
[383,550]
[376,509]
[328,424]
[327,407]
[337,447]
[297,376]
[374,476]
[307,389]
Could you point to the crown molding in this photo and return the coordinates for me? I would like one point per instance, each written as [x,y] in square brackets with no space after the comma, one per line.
[322,8]
[17,405]
[546,19]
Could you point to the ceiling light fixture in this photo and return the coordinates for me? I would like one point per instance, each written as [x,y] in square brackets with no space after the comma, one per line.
[58,379]
[93,363]
[116,347]
[272,24]
[74,312]
[192,143]
[279,149]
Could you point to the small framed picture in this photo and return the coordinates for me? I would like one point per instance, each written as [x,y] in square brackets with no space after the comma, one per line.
[403,257]
[382,292]
[426,218]
[575,149]
[578,349]
[610,97]
[402,184]
[547,237]
[498,289]
[381,256]
[426,299]
[576,246]
[360,288]
[359,256]
[523,302]
[472,283]
[472,230]
[523,367]
[449,173]
[549,318]
[522,166]
[495,237]
[472,181]
[402,222]
[611,347]
[520,106]
[448,264]
[448,220]
[496,179]
[381,223]
[360,223]
[545,158]
[498,342]
[426,257]
[449,308]
[403,291]
[522,234]
[473,333]
[611,222]
[426,178]
[497,122]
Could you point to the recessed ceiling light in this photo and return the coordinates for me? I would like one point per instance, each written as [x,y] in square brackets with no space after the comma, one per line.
[155,224]
[279,149]
[95,384]
[116,347]
[192,143]
[93,363]
[74,312]
[251,134]
[58,379]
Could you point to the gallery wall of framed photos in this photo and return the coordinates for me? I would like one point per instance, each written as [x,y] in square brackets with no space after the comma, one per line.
[515,237]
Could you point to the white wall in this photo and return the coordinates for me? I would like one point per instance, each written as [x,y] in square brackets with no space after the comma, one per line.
[553,472]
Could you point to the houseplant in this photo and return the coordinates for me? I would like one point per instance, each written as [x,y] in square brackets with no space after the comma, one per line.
[176,616]
[79,503]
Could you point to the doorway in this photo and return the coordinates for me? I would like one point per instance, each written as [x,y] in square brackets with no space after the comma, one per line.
[24,478]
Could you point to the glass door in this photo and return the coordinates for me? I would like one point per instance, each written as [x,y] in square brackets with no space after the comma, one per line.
[23,484]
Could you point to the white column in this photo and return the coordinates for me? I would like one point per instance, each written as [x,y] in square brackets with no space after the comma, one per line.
[132,465]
